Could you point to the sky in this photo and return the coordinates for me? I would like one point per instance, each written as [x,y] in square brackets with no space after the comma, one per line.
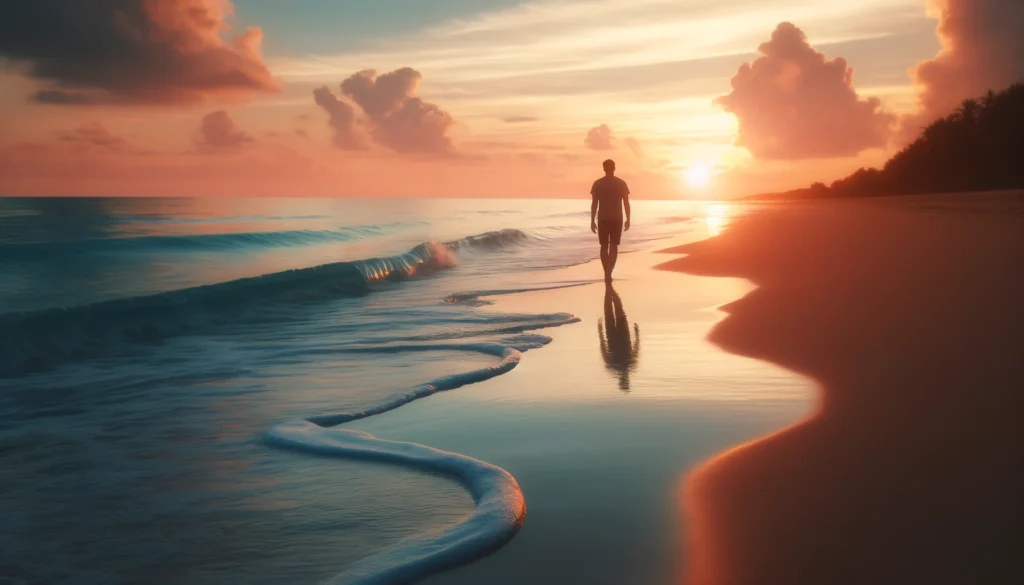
[479,98]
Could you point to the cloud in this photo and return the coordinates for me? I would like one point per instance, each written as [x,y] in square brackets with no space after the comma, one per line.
[218,131]
[603,138]
[131,51]
[62,98]
[634,146]
[982,49]
[347,134]
[600,138]
[392,115]
[792,102]
[95,135]
[519,119]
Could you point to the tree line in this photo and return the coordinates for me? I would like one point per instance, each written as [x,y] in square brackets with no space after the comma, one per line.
[978,147]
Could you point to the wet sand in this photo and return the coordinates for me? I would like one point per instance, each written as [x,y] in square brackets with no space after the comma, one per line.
[909,315]
[598,427]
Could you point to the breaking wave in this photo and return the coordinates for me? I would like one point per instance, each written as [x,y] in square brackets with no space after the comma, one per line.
[36,340]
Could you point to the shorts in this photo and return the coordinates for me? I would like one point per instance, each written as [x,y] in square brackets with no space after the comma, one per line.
[609,229]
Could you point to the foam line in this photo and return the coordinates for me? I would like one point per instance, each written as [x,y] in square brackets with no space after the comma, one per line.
[473,298]
[500,507]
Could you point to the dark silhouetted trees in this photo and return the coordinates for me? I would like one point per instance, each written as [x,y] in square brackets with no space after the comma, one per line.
[979,147]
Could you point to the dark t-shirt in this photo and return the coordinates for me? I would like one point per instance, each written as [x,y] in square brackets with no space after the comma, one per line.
[609,193]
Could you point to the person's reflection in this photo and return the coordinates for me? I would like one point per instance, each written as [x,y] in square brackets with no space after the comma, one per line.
[619,349]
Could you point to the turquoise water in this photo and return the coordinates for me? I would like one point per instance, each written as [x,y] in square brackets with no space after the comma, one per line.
[157,355]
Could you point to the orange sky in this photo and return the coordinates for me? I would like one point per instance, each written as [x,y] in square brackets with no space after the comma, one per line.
[511,100]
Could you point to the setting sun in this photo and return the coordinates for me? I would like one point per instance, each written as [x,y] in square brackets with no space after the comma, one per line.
[698,175]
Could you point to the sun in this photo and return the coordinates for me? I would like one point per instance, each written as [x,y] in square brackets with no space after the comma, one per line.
[698,175]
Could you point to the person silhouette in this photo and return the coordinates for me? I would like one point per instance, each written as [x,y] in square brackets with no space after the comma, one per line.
[610,194]
[619,350]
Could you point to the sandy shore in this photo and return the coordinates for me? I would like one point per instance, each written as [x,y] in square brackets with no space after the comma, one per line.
[909,313]
[598,429]
[903,465]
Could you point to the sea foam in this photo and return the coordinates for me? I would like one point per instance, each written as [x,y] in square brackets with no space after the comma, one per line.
[500,507]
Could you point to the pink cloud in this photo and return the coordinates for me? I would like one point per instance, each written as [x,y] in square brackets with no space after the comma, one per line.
[348,135]
[603,138]
[95,135]
[131,51]
[634,146]
[600,138]
[982,49]
[392,115]
[218,131]
[792,102]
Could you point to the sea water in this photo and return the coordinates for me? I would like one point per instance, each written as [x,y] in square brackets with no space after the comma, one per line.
[173,373]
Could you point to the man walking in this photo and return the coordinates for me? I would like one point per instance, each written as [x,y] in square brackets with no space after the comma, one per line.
[610,196]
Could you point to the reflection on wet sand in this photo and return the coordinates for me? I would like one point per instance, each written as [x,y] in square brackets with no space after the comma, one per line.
[619,350]
[912,469]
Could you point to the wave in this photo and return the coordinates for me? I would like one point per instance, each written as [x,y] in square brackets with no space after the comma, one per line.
[163,218]
[490,240]
[37,340]
[579,213]
[475,298]
[198,242]
[500,506]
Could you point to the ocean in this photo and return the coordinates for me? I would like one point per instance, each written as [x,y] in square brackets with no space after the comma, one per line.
[189,387]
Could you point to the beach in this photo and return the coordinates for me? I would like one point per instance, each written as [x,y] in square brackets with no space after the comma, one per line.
[894,359]
[512,292]
[766,393]
[600,464]
[907,313]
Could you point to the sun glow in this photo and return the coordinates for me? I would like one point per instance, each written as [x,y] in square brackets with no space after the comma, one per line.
[698,175]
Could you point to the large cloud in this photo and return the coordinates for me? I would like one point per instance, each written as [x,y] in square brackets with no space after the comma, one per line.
[218,131]
[391,113]
[130,51]
[792,103]
[983,49]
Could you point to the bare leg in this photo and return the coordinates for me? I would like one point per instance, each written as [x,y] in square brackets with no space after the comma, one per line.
[604,259]
[613,255]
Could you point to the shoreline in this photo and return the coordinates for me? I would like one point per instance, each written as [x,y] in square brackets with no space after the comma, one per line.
[910,469]
[598,462]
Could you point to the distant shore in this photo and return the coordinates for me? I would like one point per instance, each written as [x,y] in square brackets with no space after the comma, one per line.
[974,149]
[811,194]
